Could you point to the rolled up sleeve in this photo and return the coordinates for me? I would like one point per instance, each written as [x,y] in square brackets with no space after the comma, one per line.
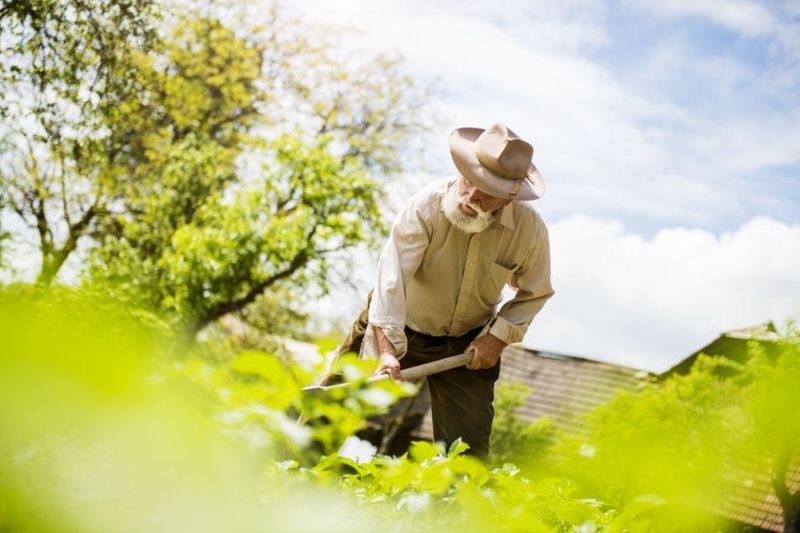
[399,260]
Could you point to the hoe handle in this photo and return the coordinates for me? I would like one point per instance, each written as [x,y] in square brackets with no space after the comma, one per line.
[415,372]
[434,367]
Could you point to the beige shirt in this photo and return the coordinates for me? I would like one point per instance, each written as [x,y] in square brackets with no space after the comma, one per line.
[442,281]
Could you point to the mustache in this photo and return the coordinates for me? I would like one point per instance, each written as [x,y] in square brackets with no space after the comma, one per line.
[475,207]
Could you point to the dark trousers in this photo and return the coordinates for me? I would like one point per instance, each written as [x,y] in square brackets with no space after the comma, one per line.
[461,399]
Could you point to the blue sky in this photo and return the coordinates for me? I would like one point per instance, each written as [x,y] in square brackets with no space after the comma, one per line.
[744,75]
[668,133]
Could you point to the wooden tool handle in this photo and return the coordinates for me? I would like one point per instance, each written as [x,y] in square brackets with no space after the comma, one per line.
[434,367]
[415,372]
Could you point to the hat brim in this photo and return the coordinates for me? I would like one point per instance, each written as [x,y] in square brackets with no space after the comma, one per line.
[461,150]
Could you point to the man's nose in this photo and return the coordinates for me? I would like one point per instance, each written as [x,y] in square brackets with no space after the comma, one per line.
[474,196]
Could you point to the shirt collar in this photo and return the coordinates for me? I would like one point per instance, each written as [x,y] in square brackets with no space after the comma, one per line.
[506,217]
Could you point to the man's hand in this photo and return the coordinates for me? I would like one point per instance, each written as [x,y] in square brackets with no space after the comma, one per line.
[388,364]
[487,350]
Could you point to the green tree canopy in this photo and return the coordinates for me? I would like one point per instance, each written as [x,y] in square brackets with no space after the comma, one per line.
[242,149]
[63,66]
[687,443]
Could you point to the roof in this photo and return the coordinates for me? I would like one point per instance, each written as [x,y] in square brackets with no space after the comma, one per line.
[564,387]
[731,344]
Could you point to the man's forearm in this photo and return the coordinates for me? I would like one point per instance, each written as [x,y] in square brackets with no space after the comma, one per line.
[387,355]
[384,345]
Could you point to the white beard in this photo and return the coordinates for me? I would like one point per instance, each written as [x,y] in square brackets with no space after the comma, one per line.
[462,221]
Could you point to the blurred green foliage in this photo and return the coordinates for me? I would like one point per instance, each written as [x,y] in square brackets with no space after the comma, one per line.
[109,423]
[694,440]
[102,430]
[512,436]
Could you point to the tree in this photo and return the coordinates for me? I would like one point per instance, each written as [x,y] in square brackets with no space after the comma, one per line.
[689,441]
[181,133]
[231,251]
[773,403]
[665,440]
[4,235]
[236,140]
[63,66]
[262,179]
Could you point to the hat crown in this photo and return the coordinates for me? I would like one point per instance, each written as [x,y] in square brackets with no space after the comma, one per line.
[496,161]
[503,152]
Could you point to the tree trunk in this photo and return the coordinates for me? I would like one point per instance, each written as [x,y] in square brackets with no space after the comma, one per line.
[53,258]
[52,262]
[791,515]
[47,271]
[790,501]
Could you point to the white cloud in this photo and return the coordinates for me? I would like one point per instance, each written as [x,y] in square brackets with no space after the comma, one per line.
[650,303]
[560,24]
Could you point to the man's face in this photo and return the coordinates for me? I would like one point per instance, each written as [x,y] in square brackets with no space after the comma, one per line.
[472,195]
[469,209]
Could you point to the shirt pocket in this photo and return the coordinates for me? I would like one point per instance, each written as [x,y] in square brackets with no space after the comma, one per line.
[491,287]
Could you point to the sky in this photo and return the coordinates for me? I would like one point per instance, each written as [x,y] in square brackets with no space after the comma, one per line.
[668,135]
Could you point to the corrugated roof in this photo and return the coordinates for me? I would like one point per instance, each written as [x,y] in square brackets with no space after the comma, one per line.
[564,387]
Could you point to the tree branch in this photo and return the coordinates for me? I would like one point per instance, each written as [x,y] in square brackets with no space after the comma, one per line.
[298,261]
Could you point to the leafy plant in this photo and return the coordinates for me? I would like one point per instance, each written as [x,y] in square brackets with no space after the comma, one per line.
[107,422]
[512,436]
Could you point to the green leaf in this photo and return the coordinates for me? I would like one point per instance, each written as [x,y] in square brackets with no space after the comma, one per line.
[457,448]
[422,450]
[268,367]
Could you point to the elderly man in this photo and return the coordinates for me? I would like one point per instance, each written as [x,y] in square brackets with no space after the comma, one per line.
[451,251]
